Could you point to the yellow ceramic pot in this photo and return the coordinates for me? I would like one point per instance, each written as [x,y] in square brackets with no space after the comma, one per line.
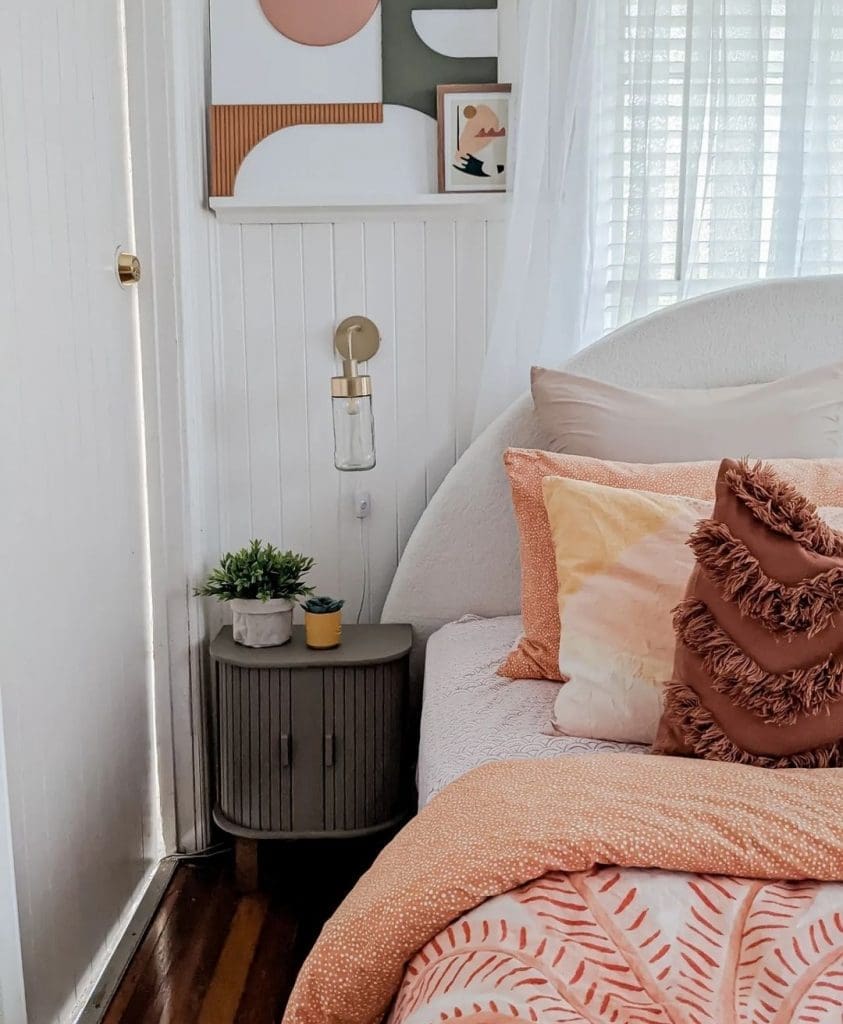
[324,630]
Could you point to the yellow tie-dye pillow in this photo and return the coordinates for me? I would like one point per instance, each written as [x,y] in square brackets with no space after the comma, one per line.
[622,564]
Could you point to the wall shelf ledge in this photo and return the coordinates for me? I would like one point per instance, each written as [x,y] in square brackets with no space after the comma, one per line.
[450,206]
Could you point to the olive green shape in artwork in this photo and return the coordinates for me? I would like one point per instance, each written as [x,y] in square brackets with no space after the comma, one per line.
[411,70]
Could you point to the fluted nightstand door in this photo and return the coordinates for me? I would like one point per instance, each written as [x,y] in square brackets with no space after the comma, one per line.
[363,714]
[255,743]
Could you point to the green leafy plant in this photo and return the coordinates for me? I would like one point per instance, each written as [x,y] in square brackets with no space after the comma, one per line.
[258,572]
[322,605]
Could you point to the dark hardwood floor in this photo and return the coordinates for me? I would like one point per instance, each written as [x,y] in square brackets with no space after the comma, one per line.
[214,956]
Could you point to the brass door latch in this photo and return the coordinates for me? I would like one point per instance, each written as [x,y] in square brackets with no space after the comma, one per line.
[128,268]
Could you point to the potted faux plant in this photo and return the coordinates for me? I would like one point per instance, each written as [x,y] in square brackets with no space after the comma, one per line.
[262,585]
[323,622]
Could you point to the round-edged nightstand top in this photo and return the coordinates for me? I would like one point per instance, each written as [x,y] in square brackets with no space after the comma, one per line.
[361,645]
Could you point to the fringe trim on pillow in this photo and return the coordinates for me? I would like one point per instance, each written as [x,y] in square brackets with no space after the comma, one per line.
[805,607]
[779,506]
[705,737]
[778,699]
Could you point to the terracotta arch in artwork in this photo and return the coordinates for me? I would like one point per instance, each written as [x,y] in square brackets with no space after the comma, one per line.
[237,128]
[318,22]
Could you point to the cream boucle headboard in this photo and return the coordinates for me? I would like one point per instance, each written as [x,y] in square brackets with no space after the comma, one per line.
[463,555]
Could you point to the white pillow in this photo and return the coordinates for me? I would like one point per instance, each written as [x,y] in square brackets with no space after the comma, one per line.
[797,417]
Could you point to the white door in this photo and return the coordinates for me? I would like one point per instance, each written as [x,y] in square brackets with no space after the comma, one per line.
[12,999]
[74,612]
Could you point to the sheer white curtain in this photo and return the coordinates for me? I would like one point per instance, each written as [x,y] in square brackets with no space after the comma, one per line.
[541,305]
[687,145]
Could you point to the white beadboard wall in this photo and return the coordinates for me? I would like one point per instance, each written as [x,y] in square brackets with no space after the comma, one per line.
[430,286]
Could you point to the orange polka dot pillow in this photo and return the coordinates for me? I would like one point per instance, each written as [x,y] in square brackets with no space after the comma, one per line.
[536,655]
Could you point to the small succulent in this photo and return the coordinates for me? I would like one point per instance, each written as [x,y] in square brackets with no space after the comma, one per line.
[258,572]
[322,605]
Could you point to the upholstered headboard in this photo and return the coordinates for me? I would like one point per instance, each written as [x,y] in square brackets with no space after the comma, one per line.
[463,555]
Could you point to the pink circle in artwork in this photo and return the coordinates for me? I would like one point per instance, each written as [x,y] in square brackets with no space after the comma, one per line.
[318,22]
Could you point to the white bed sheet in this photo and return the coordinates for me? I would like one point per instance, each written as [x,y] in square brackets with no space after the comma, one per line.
[471,715]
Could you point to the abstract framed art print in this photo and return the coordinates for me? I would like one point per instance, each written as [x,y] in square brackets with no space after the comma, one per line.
[473,137]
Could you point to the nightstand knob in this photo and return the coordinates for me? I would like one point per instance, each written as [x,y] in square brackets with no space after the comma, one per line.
[286,746]
[330,749]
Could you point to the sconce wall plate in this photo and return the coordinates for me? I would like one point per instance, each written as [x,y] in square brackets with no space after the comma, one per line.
[357,338]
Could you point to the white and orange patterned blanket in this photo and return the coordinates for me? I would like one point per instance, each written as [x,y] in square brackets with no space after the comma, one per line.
[724,904]
[614,946]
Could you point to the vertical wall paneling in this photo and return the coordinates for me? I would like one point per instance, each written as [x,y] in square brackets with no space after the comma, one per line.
[470,326]
[430,287]
[348,270]
[235,438]
[411,377]
[320,317]
[291,396]
[440,381]
[382,528]
[260,365]
[495,240]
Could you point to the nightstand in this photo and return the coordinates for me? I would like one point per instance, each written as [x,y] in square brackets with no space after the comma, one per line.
[310,744]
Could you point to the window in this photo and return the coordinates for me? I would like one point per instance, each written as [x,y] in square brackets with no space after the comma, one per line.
[720,141]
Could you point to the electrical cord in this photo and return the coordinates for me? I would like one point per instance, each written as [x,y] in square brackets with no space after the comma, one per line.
[212,851]
[364,564]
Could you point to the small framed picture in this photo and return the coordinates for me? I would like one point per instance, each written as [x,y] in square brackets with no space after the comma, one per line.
[473,136]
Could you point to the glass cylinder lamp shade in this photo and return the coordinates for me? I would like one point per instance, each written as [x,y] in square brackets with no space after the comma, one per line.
[354,423]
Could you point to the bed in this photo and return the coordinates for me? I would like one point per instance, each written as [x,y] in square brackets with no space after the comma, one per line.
[608,886]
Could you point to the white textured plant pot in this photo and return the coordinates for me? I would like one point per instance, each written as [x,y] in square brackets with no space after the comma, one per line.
[262,623]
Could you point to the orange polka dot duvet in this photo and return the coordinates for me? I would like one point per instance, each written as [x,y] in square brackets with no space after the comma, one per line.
[607,889]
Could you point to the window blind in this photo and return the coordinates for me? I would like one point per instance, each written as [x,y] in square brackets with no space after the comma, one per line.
[720,146]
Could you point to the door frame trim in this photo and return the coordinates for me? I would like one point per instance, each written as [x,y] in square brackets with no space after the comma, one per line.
[166,61]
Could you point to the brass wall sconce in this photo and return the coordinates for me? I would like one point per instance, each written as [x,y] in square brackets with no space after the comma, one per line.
[357,339]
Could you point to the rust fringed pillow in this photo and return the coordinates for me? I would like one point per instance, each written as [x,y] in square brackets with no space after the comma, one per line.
[758,674]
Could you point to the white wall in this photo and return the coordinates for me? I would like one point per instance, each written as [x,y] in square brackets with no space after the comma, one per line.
[430,287]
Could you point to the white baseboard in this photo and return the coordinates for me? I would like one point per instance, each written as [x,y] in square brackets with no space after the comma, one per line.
[103,977]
